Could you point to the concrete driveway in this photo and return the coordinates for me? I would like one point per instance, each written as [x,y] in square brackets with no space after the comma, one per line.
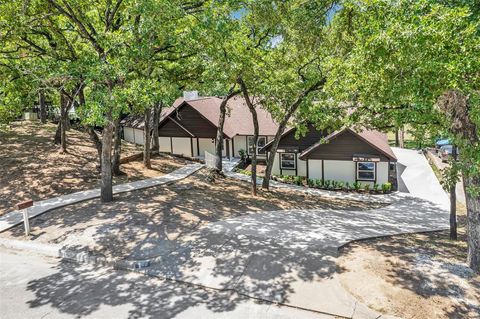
[288,257]
[285,257]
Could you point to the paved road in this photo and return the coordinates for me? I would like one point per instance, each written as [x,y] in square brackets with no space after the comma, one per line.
[33,286]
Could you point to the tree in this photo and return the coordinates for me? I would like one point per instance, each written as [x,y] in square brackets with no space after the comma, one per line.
[415,63]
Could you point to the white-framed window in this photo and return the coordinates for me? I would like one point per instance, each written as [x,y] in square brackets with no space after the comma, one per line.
[287,160]
[366,171]
[262,141]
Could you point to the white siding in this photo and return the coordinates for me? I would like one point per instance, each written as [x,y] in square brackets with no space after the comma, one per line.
[206,144]
[181,146]
[315,169]
[138,136]
[165,145]
[128,134]
[301,167]
[239,142]
[382,172]
[224,150]
[276,165]
[341,171]
[195,148]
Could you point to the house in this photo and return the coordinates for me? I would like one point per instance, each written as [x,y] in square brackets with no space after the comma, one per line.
[344,155]
[189,128]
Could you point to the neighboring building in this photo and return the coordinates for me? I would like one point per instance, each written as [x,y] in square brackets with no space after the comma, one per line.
[189,128]
[343,155]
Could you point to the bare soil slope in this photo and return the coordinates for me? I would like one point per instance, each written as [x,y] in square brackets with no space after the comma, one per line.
[31,166]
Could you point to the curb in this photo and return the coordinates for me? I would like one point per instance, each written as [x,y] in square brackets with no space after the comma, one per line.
[81,256]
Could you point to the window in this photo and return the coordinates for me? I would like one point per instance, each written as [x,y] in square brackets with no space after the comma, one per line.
[262,140]
[366,171]
[287,160]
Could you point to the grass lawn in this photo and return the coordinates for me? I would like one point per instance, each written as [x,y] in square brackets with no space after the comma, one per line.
[31,166]
[413,276]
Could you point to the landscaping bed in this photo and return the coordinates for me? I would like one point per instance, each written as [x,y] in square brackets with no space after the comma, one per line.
[31,166]
[413,276]
[324,184]
[163,213]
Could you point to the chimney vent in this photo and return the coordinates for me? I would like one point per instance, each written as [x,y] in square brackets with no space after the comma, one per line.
[190,95]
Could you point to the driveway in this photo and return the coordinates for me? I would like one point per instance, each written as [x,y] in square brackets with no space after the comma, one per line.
[416,177]
[286,257]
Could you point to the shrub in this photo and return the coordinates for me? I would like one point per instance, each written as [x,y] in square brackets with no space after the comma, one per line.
[347,186]
[326,183]
[243,154]
[387,187]
[366,187]
[357,186]
[298,180]
[334,184]
[310,182]
[340,185]
[318,183]
[375,187]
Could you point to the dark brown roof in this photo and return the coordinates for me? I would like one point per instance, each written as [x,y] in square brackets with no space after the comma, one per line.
[376,139]
[238,120]
[135,121]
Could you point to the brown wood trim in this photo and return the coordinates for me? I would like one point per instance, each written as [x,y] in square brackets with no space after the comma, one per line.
[296,164]
[191,146]
[198,147]
[280,163]
[181,126]
[233,146]
[307,169]
[323,171]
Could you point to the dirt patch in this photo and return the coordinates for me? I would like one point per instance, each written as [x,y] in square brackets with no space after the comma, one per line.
[163,213]
[31,166]
[413,276]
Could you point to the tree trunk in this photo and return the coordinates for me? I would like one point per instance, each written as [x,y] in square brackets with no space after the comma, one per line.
[401,137]
[397,138]
[63,121]
[157,109]
[43,107]
[281,128]
[146,140]
[106,169]
[221,122]
[58,133]
[473,223]
[455,105]
[117,148]
[97,142]
[253,111]
[453,213]
[453,203]
[273,151]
